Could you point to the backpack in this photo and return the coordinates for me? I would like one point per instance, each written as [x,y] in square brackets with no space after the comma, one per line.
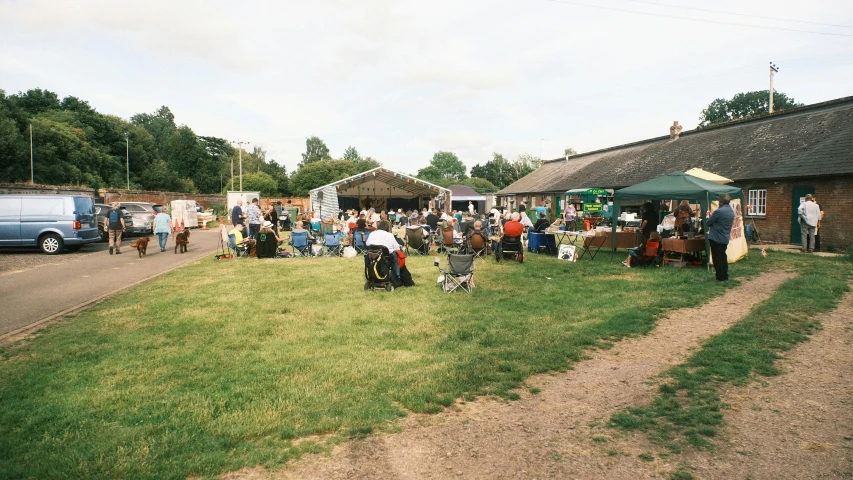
[114,216]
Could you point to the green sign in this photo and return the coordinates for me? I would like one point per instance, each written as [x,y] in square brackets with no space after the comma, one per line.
[592,207]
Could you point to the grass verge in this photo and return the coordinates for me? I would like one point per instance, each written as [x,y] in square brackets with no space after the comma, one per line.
[688,408]
[224,365]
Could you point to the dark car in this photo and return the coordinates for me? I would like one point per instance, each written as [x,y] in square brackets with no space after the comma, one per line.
[143,216]
[101,212]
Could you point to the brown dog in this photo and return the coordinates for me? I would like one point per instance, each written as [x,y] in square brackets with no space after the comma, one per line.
[141,245]
[181,240]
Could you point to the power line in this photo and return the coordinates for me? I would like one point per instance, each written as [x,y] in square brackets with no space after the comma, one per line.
[738,14]
[636,12]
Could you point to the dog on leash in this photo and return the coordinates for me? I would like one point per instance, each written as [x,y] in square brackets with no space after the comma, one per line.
[141,245]
[181,240]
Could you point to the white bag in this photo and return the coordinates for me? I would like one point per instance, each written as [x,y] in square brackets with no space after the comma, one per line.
[350,252]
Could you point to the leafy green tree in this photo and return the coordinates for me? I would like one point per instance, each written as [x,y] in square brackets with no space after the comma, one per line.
[315,151]
[744,105]
[444,166]
[480,185]
[351,154]
[262,182]
[364,164]
[160,125]
[569,151]
[317,174]
[36,101]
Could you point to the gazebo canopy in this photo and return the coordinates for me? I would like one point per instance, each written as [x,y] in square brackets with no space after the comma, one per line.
[675,185]
[706,175]
[381,182]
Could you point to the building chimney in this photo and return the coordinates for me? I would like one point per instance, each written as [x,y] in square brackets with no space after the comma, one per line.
[674,130]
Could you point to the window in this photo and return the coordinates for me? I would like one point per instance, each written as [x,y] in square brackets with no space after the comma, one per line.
[757,202]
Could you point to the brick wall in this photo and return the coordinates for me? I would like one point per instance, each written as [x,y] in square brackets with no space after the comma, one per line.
[835,195]
[28,189]
[163,198]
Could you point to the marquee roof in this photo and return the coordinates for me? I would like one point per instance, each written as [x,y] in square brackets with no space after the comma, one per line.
[381,182]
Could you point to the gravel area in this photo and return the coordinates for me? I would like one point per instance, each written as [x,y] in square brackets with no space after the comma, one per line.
[17,259]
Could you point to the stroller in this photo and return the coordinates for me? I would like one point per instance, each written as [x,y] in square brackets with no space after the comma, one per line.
[378,269]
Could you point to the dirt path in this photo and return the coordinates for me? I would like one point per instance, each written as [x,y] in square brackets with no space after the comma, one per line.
[798,424]
[557,433]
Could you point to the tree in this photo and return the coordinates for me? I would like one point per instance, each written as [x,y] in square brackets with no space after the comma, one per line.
[351,154]
[315,151]
[262,182]
[501,172]
[744,105]
[444,167]
[317,174]
[569,151]
[480,185]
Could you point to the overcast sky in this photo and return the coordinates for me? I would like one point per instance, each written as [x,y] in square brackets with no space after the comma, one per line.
[400,79]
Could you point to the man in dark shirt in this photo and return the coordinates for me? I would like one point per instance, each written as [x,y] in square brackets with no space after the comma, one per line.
[237,216]
[542,224]
[432,220]
[719,227]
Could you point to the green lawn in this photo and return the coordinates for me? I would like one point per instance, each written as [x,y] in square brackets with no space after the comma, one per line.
[224,365]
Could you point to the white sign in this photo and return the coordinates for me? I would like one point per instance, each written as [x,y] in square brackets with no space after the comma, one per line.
[567,252]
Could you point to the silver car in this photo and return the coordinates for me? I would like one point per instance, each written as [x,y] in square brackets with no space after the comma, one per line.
[143,216]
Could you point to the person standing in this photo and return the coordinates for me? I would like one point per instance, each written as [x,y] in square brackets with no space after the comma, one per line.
[237,215]
[471,207]
[719,226]
[114,225]
[809,222]
[162,227]
[253,215]
[650,221]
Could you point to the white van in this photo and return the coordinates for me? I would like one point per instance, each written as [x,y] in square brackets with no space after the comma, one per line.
[50,222]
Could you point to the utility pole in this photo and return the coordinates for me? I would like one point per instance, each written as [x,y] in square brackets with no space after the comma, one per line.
[239,144]
[32,176]
[773,69]
[127,146]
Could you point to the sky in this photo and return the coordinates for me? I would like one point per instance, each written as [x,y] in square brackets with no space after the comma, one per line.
[400,80]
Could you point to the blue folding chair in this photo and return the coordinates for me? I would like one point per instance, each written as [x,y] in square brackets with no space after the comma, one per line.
[333,247]
[238,250]
[299,244]
[359,240]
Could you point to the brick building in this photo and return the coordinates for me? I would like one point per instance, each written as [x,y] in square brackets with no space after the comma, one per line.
[776,159]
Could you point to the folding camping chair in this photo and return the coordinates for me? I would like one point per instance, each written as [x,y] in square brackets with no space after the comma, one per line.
[415,240]
[237,251]
[299,244]
[333,247]
[459,273]
[359,240]
[478,244]
[449,244]
[224,250]
[592,242]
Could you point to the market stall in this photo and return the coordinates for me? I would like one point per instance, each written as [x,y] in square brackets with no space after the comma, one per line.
[591,204]
[681,186]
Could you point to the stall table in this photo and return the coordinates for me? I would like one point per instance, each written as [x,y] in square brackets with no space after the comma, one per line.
[674,249]
[623,240]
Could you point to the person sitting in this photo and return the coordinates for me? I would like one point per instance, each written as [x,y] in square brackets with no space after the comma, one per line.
[478,236]
[683,217]
[513,228]
[425,226]
[268,241]
[467,225]
[239,243]
[382,237]
[542,224]
[525,220]
[327,226]
[299,229]
[645,253]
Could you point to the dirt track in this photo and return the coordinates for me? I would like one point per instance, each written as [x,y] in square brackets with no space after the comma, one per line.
[559,433]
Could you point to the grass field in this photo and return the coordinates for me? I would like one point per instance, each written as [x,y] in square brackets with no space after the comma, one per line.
[223,365]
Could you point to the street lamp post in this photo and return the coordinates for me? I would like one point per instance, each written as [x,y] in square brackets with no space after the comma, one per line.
[239,144]
[127,151]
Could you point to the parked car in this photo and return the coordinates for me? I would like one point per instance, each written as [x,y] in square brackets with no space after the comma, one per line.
[50,222]
[143,216]
[101,212]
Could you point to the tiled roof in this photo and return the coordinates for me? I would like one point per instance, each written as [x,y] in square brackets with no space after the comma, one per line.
[815,140]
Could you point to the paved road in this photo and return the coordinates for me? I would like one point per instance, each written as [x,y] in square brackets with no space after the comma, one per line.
[34,294]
